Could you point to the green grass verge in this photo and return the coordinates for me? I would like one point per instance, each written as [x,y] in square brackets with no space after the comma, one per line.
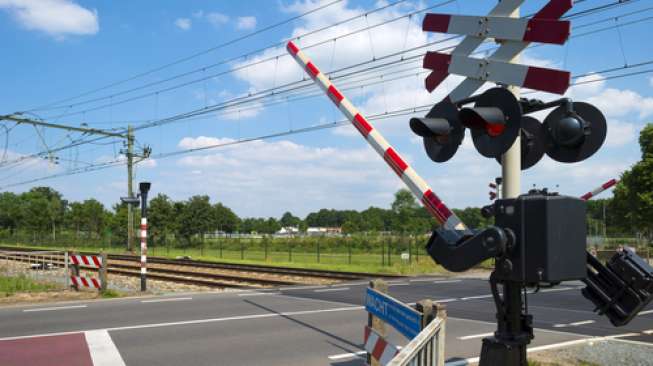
[328,260]
[12,285]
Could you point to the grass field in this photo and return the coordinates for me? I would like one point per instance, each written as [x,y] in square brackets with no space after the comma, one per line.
[12,285]
[379,262]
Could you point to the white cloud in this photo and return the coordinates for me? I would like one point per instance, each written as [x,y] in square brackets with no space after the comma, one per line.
[620,133]
[183,23]
[217,19]
[246,23]
[249,176]
[57,18]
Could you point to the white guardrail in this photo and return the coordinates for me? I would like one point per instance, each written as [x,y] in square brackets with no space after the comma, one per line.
[426,349]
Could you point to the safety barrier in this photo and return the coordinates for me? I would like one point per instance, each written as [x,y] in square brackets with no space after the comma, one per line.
[423,325]
[426,349]
[92,261]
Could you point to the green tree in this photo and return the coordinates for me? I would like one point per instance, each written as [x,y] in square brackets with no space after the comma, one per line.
[404,201]
[10,211]
[161,218]
[633,196]
[224,218]
[45,208]
[94,216]
[288,220]
[117,223]
[196,218]
[472,217]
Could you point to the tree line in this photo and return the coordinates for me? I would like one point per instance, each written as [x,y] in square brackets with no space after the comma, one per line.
[43,212]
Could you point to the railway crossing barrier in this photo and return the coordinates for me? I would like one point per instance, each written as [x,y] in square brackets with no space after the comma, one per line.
[423,325]
[75,261]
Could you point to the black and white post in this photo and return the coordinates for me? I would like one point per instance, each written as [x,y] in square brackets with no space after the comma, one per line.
[144,187]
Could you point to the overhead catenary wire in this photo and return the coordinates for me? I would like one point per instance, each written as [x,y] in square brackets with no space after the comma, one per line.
[385,115]
[226,61]
[276,44]
[197,54]
[251,64]
[374,59]
[195,113]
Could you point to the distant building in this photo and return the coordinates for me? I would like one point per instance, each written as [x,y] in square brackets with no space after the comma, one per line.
[323,231]
[288,231]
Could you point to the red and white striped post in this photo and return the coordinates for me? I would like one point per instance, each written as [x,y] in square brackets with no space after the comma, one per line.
[414,182]
[144,187]
[599,189]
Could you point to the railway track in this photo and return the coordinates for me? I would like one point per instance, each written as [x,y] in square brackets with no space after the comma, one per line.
[215,274]
[169,274]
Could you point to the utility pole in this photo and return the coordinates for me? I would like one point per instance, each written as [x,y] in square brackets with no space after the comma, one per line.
[511,160]
[130,190]
[129,153]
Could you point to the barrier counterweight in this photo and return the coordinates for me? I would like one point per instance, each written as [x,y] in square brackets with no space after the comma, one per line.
[414,182]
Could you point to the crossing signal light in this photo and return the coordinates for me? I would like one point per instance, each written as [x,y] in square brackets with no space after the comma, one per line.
[441,131]
[533,143]
[494,121]
[574,132]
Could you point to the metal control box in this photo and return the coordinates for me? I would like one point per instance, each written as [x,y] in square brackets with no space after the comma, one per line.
[549,243]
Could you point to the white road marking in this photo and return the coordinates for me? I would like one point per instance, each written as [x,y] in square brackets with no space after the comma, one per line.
[197,321]
[347,355]
[167,300]
[290,288]
[55,308]
[575,324]
[423,280]
[359,283]
[447,281]
[475,336]
[447,300]
[558,289]
[645,312]
[102,349]
[398,284]
[476,297]
[259,293]
[351,354]
[332,289]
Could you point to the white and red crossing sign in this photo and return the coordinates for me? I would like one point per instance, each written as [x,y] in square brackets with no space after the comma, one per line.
[87,260]
[378,347]
[85,281]
[514,35]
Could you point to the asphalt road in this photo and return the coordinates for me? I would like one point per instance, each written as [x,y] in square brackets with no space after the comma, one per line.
[311,325]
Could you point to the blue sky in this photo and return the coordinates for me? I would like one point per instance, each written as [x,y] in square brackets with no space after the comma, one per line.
[64,48]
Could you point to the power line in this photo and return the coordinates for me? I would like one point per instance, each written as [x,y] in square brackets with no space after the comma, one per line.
[396,113]
[273,58]
[245,66]
[249,99]
[225,61]
[197,54]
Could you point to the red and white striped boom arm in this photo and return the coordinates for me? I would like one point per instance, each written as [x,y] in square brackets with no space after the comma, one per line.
[601,188]
[414,182]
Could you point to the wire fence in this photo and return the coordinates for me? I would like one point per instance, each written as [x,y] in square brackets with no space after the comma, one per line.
[354,250]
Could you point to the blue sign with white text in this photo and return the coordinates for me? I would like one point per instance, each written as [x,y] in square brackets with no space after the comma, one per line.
[402,317]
